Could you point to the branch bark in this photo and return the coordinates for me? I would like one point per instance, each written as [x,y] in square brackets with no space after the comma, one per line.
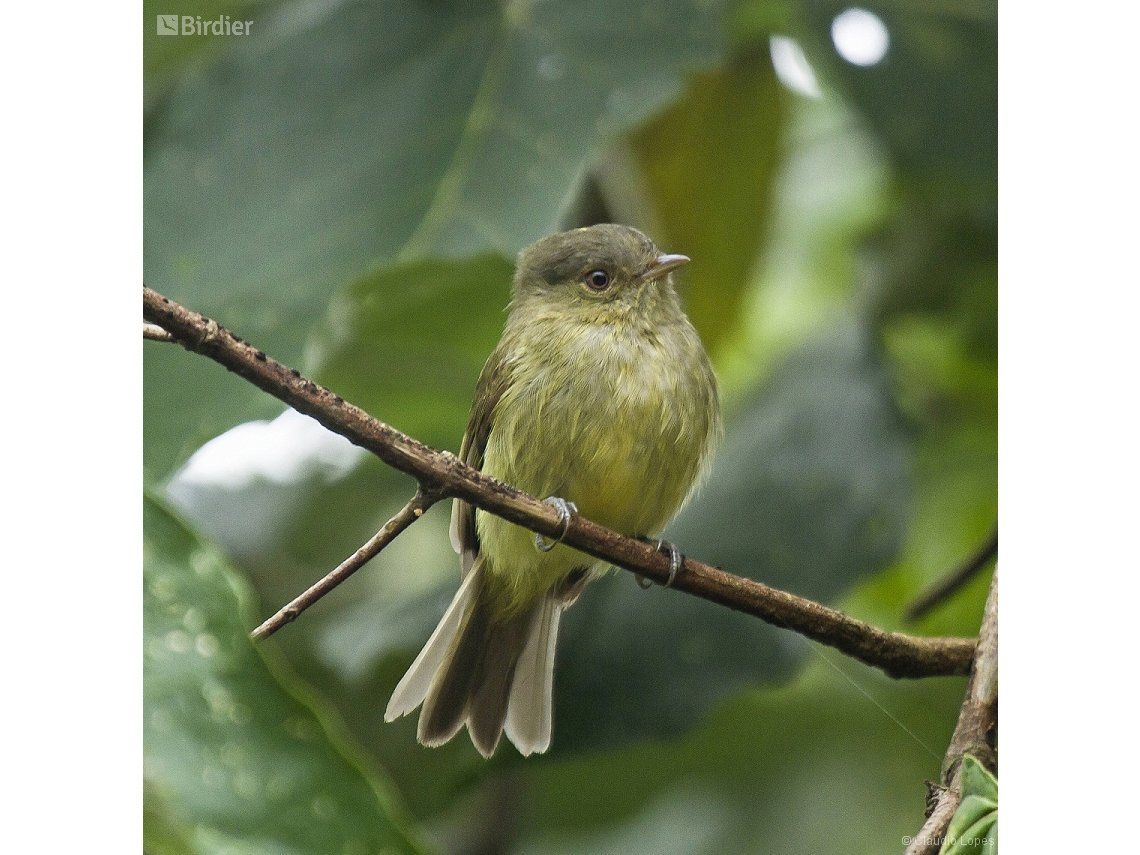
[897,654]
[975,733]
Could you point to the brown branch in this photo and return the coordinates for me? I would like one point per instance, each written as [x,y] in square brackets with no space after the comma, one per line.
[953,581]
[930,837]
[412,511]
[898,654]
[975,733]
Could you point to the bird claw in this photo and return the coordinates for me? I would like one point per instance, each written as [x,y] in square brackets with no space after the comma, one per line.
[676,559]
[566,510]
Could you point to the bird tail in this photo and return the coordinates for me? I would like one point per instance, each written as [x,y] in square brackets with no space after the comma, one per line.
[488,672]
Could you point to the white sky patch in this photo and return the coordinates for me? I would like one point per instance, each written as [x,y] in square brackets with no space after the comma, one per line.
[792,67]
[860,36]
[288,450]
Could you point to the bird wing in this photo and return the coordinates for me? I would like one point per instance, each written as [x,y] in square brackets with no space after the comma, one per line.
[493,381]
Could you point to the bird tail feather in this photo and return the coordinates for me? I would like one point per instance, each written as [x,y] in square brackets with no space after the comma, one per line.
[485,671]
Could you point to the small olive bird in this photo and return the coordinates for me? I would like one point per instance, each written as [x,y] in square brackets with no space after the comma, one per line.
[599,396]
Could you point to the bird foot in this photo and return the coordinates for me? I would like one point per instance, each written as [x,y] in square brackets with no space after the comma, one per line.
[676,559]
[566,510]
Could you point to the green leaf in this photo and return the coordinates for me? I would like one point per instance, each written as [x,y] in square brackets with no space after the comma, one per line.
[166,56]
[978,781]
[832,187]
[407,342]
[343,133]
[973,828]
[163,832]
[236,757]
[710,162]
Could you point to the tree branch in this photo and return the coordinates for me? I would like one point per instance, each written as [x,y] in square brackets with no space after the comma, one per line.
[954,580]
[897,654]
[975,733]
[412,511]
[943,804]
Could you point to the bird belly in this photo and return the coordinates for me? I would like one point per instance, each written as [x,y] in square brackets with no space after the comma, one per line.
[619,444]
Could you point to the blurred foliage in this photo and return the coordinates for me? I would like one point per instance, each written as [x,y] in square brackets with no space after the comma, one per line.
[234,761]
[165,58]
[813,767]
[376,324]
[974,827]
[733,115]
[346,188]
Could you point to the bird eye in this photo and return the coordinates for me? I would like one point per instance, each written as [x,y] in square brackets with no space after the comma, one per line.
[598,280]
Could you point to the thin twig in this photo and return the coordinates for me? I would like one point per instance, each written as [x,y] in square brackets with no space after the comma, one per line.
[949,584]
[412,511]
[153,332]
[975,733]
[897,654]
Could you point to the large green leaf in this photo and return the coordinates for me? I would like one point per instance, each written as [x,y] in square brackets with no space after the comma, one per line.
[342,133]
[407,342]
[163,832]
[709,164]
[165,56]
[236,759]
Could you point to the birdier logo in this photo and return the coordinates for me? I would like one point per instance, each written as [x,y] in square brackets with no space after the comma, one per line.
[193,25]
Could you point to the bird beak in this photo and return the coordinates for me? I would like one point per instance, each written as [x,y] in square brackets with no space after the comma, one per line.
[661,266]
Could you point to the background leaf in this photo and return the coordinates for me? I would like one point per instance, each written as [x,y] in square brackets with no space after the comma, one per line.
[165,57]
[391,345]
[235,760]
[812,766]
[709,165]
